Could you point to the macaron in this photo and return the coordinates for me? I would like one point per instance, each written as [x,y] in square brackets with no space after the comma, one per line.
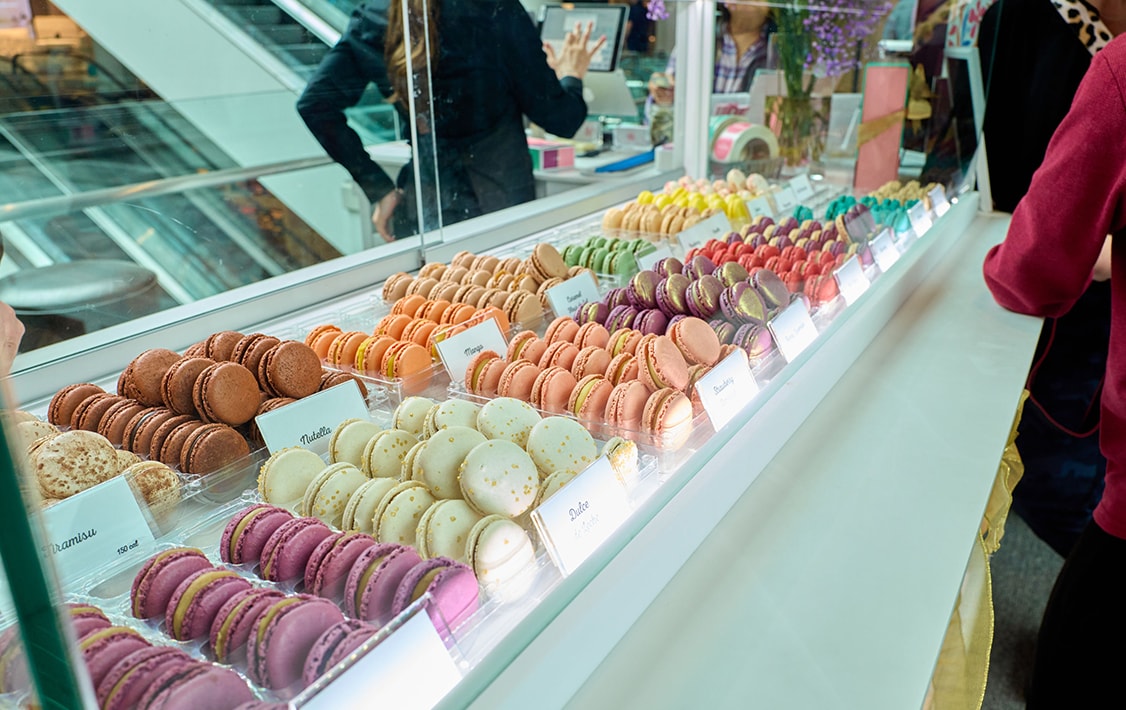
[85,619]
[563,328]
[589,397]
[333,645]
[396,518]
[383,454]
[591,334]
[560,444]
[444,528]
[221,346]
[174,439]
[666,410]
[553,387]
[561,353]
[146,373]
[359,513]
[452,412]
[62,406]
[283,636]
[290,369]
[369,592]
[249,351]
[507,418]
[517,379]
[405,359]
[661,364]
[410,415]
[523,308]
[328,566]
[624,459]
[319,339]
[197,600]
[102,649]
[452,587]
[112,425]
[349,439]
[527,345]
[288,549]
[247,532]
[502,557]
[591,360]
[178,385]
[286,475]
[160,576]
[124,684]
[88,415]
[624,340]
[233,622]
[370,352]
[441,460]
[696,340]
[500,477]
[328,493]
[212,447]
[482,375]
[552,485]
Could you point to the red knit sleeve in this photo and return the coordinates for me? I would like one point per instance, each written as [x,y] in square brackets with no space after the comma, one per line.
[1075,200]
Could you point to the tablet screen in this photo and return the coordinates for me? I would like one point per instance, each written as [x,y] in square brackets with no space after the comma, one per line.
[608,20]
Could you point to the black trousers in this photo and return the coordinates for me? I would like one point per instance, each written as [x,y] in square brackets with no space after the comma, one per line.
[1081,649]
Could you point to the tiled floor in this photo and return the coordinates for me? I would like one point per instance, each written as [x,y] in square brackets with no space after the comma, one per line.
[1024,570]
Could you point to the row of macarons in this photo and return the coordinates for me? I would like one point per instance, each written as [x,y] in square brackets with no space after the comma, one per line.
[272,633]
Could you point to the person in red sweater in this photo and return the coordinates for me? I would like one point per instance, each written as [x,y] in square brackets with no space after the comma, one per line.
[1056,245]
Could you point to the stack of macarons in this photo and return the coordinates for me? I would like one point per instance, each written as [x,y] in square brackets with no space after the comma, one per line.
[370,580]
[655,221]
[602,377]
[515,285]
[403,343]
[608,255]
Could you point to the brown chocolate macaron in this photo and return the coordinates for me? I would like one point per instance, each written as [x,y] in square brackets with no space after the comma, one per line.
[221,345]
[290,369]
[226,392]
[197,350]
[134,424]
[179,382]
[174,443]
[145,374]
[61,410]
[252,432]
[163,431]
[88,414]
[112,425]
[141,441]
[249,351]
[332,379]
[211,447]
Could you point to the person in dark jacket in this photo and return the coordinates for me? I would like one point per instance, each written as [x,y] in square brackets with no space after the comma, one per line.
[488,70]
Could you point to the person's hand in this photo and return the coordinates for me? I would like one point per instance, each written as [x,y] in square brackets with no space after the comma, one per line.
[661,89]
[11,332]
[574,58]
[1102,264]
[381,215]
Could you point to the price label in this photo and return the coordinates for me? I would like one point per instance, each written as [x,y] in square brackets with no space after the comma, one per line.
[803,188]
[920,218]
[759,207]
[786,199]
[410,668]
[648,261]
[884,251]
[456,352]
[579,518]
[938,200]
[793,330]
[851,280]
[566,298]
[715,227]
[310,421]
[727,388]
[95,527]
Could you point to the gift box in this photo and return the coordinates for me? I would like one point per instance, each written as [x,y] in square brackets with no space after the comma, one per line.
[551,155]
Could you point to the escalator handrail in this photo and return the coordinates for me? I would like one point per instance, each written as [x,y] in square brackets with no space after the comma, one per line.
[151,188]
[17,65]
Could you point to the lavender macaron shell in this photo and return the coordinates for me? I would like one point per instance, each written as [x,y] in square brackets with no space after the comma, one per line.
[373,602]
[454,592]
[101,657]
[277,660]
[203,686]
[651,322]
[331,573]
[773,291]
[239,629]
[248,546]
[204,606]
[325,647]
[290,547]
[703,297]
[158,579]
[130,677]
[643,289]
[317,556]
[350,643]
[755,339]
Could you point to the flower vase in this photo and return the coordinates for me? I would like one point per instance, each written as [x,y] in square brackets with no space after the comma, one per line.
[798,121]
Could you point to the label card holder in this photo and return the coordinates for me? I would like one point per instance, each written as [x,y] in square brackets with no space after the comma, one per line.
[310,421]
[574,522]
[456,352]
[851,280]
[715,227]
[884,251]
[793,330]
[803,188]
[759,207]
[95,527]
[648,261]
[411,668]
[939,203]
[786,199]
[727,388]
[920,218]
[566,298]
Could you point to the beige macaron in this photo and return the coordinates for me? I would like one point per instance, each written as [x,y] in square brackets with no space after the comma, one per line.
[349,439]
[286,475]
[443,530]
[359,513]
[384,453]
[442,458]
[398,513]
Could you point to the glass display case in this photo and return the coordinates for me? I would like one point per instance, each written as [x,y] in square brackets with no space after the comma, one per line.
[244,359]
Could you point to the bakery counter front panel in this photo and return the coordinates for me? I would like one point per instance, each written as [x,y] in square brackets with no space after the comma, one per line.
[454,469]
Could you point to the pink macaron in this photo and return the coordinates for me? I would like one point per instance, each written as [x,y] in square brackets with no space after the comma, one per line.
[369,593]
[284,635]
[125,683]
[327,570]
[232,624]
[200,685]
[160,576]
[333,645]
[452,587]
[102,650]
[287,552]
[197,601]
[247,532]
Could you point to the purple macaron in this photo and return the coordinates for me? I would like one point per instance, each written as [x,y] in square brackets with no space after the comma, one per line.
[327,570]
[102,650]
[643,289]
[668,266]
[247,532]
[671,295]
[199,685]
[772,289]
[160,576]
[369,593]
[651,322]
[287,552]
[755,339]
[197,601]
[231,626]
[616,297]
[283,636]
[703,297]
[334,645]
[699,266]
[452,587]
[621,317]
[595,311]
[125,683]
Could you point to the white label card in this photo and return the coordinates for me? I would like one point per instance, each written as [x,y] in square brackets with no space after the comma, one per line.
[803,188]
[579,518]
[759,207]
[95,527]
[410,669]
[938,200]
[793,330]
[648,261]
[456,352]
[786,199]
[884,250]
[727,388]
[310,421]
[851,280]
[566,298]
[715,227]
[920,218]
